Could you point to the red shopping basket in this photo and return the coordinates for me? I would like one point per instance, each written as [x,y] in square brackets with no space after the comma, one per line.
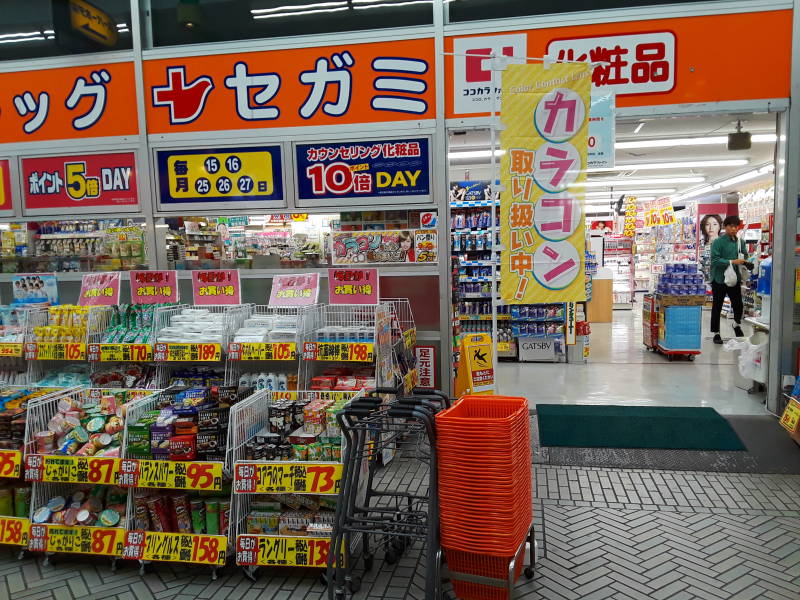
[483,564]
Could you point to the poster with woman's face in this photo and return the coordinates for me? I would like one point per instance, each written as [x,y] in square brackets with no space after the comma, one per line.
[710,229]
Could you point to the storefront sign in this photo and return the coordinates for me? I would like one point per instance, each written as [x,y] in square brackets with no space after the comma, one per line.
[68,103]
[154,287]
[339,351]
[545,114]
[476,365]
[286,477]
[90,21]
[71,469]
[294,290]
[216,175]
[10,463]
[187,352]
[216,286]
[300,87]
[380,247]
[80,183]
[176,547]
[353,286]
[266,550]
[99,289]
[644,62]
[366,170]
[170,474]
[103,541]
[14,531]
[5,187]
[629,228]
[426,366]
[602,131]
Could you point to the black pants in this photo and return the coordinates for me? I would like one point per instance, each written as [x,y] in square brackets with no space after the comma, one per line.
[719,290]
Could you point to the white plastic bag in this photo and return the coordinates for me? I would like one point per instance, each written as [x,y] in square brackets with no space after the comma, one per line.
[730,276]
[753,355]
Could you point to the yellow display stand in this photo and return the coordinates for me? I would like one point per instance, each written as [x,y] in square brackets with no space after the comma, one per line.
[476,368]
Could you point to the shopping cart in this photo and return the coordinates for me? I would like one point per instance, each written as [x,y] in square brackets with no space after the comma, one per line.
[376,511]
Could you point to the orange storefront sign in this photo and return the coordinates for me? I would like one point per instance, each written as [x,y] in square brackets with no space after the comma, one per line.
[713,58]
[68,103]
[331,85]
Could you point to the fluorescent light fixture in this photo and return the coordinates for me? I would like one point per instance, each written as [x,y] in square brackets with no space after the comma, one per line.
[698,192]
[49,32]
[123,30]
[18,35]
[728,182]
[638,128]
[121,25]
[596,201]
[474,154]
[690,164]
[384,5]
[302,12]
[27,39]
[297,7]
[634,182]
[692,141]
[662,191]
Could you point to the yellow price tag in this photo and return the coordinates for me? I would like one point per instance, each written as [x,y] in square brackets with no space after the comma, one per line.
[269,550]
[170,474]
[120,352]
[504,346]
[176,547]
[791,416]
[410,338]
[287,477]
[55,351]
[249,351]
[339,351]
[14,531]
[10,350]
[48,537]
[187,353]
[10,463]
[96,470]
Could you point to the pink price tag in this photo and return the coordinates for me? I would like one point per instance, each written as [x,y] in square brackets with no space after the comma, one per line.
[301,289]
[152,287]
[99,289]
[216,286]
[353,286]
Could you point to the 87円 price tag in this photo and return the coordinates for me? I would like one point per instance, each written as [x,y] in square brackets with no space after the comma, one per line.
[71,469]
[49,537]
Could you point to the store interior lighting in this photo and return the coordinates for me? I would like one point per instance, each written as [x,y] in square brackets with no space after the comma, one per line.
[728,182]
[691,141]
[293,10]
[638,182]
[691,164]
[662,191]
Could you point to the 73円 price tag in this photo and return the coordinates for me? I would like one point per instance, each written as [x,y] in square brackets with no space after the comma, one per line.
[287,477]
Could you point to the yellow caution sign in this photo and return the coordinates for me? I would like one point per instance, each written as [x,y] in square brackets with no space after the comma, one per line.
[476,366]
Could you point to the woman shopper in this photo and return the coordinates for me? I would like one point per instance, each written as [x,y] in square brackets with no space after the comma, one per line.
[727,250]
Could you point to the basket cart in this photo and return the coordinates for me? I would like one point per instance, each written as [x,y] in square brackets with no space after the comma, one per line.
[404,338]
[151,511]
[77,505]
[258,540]
[679,327]
[372,508]
[289,327]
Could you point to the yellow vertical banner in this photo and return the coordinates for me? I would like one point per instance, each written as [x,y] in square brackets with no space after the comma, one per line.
[543,170]
[629,229]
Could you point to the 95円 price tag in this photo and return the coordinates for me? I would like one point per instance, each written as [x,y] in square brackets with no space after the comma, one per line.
[187,352]
[176,547]
[49,537]
[287,477]
[267,550]
[14,531]
[170,474]
[247,351]
[10,463]
[120,352]
[71,469]
[339,351]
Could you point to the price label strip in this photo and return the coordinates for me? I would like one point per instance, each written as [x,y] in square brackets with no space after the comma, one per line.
[71,469]
[170,474]
[104,541]
[176,547]
[10,463]
[267,550]
[287,477]
[55,351]
[410,338]
[265,351]
[339,351]
[187,352]
[11,350]
[120,352]
[14,531]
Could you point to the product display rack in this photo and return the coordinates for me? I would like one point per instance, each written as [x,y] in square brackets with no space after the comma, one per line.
[618,256]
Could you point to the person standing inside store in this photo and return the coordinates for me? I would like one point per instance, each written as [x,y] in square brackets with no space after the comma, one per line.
[726,250]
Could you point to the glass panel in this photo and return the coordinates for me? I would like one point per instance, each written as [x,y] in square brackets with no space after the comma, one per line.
[192,21]
[37,28]
[475,10]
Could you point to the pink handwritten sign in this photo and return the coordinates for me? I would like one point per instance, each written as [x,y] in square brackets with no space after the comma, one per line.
[301,289]
[99,289]
[154,287]
[353,286]
[216,286]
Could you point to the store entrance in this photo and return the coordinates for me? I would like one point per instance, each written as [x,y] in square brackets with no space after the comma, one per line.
[676,179]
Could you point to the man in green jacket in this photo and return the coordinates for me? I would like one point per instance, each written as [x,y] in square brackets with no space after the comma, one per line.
[726,250]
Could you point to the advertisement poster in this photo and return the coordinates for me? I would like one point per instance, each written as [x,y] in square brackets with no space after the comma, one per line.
[220,175]
[154,287]
[294,290]
[353,286]
[426,366]
[216,286]
[40,289]
[467,192]
[602,131]
[397,169]
[79,182]
[545,118]
[380,247]
[99,289]
[710,229]
[5,186]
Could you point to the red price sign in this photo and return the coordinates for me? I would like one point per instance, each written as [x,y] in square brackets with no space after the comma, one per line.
[34,467]
[14,531]
[359,352]
[104,541]
[323,478]
[200,476]
[102,470]
[10,463]
[206,549]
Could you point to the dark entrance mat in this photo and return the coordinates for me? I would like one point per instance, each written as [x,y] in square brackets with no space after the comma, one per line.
[662,427]
[769,450]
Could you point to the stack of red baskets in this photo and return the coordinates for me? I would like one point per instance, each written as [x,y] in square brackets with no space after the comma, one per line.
[484,454]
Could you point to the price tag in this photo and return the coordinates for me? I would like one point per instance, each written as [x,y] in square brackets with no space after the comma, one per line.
[410,338]
[55,351]
[287,477]
[268,550]
[48,537]
[339,351]
[170,474]
[71,469]
[791,416]
[504,346]
[10,350]
[120,352]
[265,351]
[187,352]
[14,531]
[176,547]
[10,463]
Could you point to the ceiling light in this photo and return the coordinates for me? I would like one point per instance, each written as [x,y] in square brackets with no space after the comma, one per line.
[27,39]
[18,35]
[698,192]
[474,154]
[121,25]
[691,164]
[638,128]
[629,192]
[296,7]
[691,141]
[745,176]
[48,32]
[123,30]
[595,201]
[302,12]
[629,182]
[384,5]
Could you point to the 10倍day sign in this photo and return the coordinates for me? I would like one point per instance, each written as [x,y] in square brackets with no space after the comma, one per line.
[545,114]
